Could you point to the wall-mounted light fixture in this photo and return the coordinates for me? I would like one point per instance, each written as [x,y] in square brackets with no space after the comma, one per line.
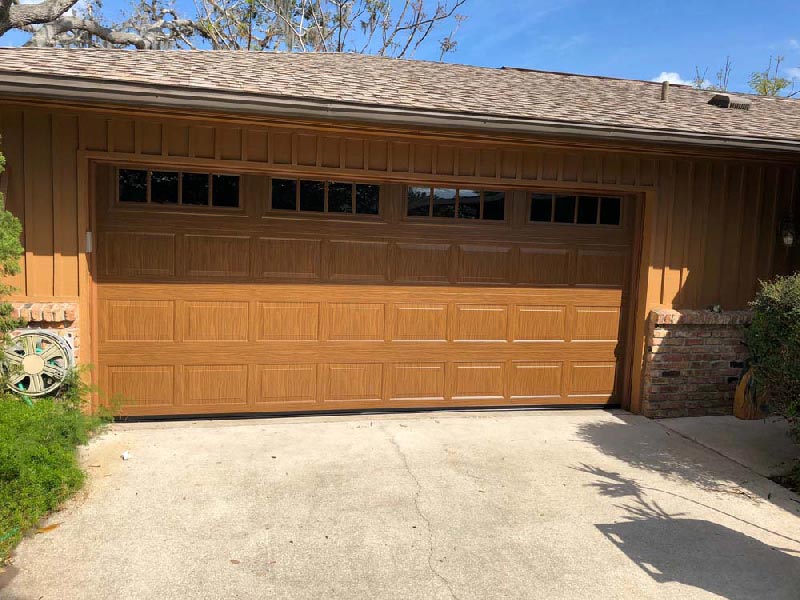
[788,232]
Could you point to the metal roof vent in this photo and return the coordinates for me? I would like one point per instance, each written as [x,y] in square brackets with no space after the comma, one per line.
[730,101]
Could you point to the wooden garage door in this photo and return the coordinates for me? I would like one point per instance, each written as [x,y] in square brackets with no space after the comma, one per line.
[227,294]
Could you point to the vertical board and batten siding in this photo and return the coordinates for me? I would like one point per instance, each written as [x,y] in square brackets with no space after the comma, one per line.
[714,235]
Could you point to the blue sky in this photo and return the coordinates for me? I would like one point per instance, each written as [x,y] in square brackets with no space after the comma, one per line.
[619,38]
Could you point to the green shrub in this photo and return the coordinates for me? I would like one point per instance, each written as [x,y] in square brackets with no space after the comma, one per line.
[773,339]
[10,252]
[38,463]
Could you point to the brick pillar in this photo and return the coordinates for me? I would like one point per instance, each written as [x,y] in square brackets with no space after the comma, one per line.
[60,318]
[694,361]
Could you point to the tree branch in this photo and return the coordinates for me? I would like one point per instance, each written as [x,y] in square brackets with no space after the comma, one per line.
[19,16]
[48,32]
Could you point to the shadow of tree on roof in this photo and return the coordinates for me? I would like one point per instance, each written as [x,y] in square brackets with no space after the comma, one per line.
[695,552]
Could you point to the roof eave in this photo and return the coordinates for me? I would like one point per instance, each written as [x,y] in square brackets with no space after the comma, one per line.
[85,90]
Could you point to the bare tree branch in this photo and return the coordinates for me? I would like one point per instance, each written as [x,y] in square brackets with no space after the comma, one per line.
[20,16]
[384,27]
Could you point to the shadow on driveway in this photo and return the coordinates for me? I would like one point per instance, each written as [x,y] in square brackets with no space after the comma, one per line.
[664,452]
[695,552]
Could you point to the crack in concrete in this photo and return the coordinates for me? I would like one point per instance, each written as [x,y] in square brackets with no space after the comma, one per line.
[421,514]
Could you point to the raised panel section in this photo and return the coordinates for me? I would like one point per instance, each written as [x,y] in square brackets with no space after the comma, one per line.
[478,380]
[543,266]
[217,256]
[356,322]
[484,264]
[480,323]
[358,261]
[596,323]
[417,381]
[288,321]
[420,323]
[535,380]
[215,384]
[142,385]
[592,379]
[421,263]
[601,268]
[216,321]
[139,320]
[539,323]
[139,254]
[286,258]
[287,383]
[354,382]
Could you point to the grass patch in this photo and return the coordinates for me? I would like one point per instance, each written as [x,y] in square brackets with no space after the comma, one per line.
[38,460]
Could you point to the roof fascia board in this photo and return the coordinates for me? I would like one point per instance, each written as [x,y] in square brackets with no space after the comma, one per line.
[82,90]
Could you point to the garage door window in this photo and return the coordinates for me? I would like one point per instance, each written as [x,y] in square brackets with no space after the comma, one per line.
[139,186]
[455,203]
[313,196]
[575,209]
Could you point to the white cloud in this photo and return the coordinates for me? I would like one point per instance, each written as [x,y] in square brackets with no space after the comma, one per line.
[673,77]
[793,72]
[794,44]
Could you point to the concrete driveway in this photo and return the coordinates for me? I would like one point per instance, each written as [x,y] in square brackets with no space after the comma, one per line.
[448,505]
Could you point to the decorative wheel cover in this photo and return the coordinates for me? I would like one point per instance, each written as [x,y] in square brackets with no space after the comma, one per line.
[37,363]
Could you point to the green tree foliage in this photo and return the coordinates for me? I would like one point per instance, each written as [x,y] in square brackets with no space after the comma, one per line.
[768,82]
[773,339]
[10,252]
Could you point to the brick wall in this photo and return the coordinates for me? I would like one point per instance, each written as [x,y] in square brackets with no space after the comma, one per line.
[60,318]
[694,361]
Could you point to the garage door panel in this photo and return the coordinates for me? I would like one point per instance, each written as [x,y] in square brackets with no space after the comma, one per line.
[138,321]
[288,258]
[602,268]
[287,321]
[428,263]
[536,381]
[544,266]
[596,323]
[139,255]
[417,381]
[484,264]
[355,322]
[216,385]
[358,261]
[144,386]
[287,384]
[419,323]
[480,323]
[590,378]
[218,257]
[353,382]
[539,323]
[477,380]
[215,321]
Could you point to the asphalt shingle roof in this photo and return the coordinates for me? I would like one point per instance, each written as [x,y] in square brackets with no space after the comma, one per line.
[354,79]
